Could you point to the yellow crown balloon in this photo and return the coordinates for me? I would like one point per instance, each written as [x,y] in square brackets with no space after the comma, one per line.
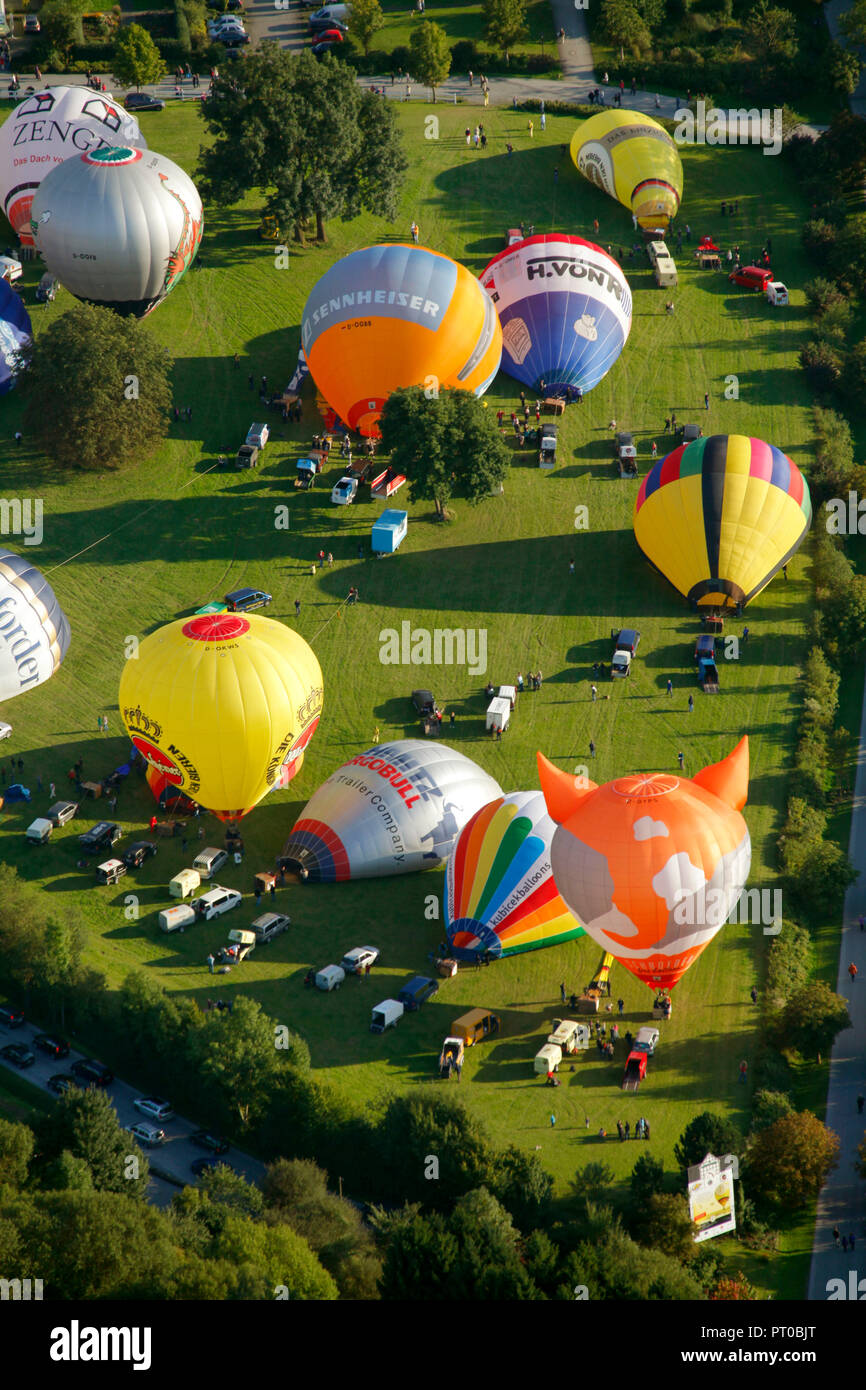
[222,706]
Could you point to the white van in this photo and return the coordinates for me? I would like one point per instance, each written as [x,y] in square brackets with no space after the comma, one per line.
[385,1015]
[184,884]
[39,833]
[173,918]
[331,977]
[665,272]
[269,925]
[216,902]
[777,293]
[340,12]
[210,861]
[547,1059]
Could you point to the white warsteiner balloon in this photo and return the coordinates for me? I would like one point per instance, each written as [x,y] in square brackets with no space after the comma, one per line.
[119,227]
[394,809]
[47,128]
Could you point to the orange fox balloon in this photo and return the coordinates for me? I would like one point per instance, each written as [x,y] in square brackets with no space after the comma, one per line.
[653,864]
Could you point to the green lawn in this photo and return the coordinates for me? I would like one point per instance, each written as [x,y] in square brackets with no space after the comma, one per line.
[462,21]
[169,535]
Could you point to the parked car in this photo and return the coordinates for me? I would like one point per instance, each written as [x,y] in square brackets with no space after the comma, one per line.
[626,643]
[319,50]
[417,991]
[62,811]
[39,832]
[31,24]
[355,962]
[206,1140]
[424,703]
[646,1041]
[269,926]
[547,447]
[216,902]
[328,36]
[244,600]
[751,277]
[61,1082]
[16,792]
[111,871]
[247,456]
[51,1043]
[258,435]
[321,26]
[90,1073]
[100,837]
[138,853]
[344,491]
[155,1107]
[232,40]
[10,269]
[209,862]
[143,101]
[223,23]
[776,293]
[148,1135]
[11,1018]
[18,1055]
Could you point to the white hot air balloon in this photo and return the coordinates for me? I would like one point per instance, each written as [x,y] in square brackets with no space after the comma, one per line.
[394,809]
[47,128]
[34,630]
[119,227]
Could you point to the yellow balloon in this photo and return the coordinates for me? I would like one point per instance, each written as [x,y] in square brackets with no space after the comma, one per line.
[223,705]
[634,160]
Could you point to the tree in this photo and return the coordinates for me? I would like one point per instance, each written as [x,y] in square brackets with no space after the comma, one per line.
[788,1163]
[616,1267]
[647,1179]
[706,1134]
[822,363]
[821,881]
[843,67]
[733,1290]
[504,23]
[445,442]
[135,58]
[425,1124]
[663,1222]
[60,25]
[365,19]
[298,1191]
[304,134]
[240,1060]
[768,1107]
[93,421]
[853,23]
[522,1185]
[86,1124]
[622,25]
[592,1181]
[489,1265]
[812,1018]
[431,54]
[16,1151]
[420,1255]
[773,31]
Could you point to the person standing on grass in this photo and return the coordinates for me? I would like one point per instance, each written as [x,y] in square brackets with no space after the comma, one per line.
[682,761]
[670,686]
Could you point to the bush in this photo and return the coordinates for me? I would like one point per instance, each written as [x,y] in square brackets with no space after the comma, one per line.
[181,24]
[819,240]
[823,364]
[770,1070]
[790,964]
[770,1106]
[821,293]
[465,57]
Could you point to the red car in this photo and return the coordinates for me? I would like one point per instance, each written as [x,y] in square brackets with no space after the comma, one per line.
[751,277]
[328,36]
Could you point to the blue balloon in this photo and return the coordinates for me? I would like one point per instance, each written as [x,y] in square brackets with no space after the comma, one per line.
[565,310]
[15,331]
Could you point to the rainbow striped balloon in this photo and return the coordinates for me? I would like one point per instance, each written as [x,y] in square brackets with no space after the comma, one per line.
[499,895]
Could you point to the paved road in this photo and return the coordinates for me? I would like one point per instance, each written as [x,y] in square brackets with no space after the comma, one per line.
[173,1157]
[841,1199]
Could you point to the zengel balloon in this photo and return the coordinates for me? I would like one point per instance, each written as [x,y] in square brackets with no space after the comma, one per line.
[15,332]
[720,516]
[394,809]
[391,316]
[652,864]
[500,897]
[565,310]
[34,630]
[47,128]
[223,705]
[119,227]
[633,159]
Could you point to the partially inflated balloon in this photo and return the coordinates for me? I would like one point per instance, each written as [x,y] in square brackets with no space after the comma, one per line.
[222,705]
[118,227]
[47,128]
[392,316]
[633,159]
[15,333]
[34,630]
[565,310]
[720,516]
[653,864]
[394,809]
[500,897]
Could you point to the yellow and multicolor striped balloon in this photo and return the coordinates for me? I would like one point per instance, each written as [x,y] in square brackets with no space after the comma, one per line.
[720,516]
[500,896]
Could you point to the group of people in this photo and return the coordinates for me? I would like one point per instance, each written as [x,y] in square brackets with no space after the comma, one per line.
[480,138]
[641,1130]
[534,679]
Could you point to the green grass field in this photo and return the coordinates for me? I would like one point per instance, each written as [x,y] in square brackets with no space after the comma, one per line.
[465,21]
[129,551]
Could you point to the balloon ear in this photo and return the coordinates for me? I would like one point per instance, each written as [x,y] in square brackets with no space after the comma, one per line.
[562,792]
[729,779]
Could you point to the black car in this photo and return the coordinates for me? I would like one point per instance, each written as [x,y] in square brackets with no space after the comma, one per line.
[61,1082]
[210,1141]
[11,1018]
[53,1045]
[18,1055]
[424,703]
[138,852]
[206,1165]
[142,101]
[89,1073]
[100,836]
